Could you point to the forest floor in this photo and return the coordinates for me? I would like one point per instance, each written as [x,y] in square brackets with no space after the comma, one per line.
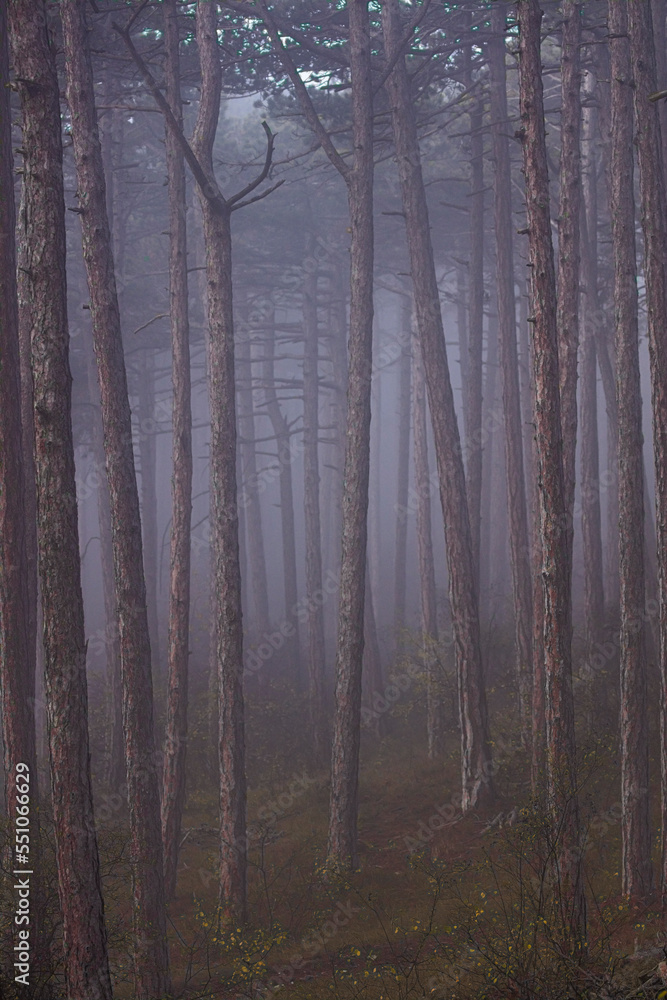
[442,905]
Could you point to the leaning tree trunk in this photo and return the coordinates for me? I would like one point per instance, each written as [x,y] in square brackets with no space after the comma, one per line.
[635,820]
[178,642]
[311,500]
[79,887]
[654,225]
[151,960]
[435,709]
[477,786]
[554,510]
[115,769]
[509,364]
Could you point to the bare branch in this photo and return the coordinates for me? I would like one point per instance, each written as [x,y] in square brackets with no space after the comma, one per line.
[150,321]
[400,50]
[302,94]
[258,197]
[270,138]
[210,191]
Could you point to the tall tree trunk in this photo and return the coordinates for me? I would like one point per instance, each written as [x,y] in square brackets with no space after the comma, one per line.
[79,887]
[591,526]
[338,343]
[635,820]
[226,577]
[654,225]
[462,577]
[151,960]
[473,420]
[149,533]
[18,524]
[567,304]
[435,721]
[403,484]
[660,43]
[311,500]
[591,523]
[216,213]
[249,487]
[342,845]
[509,362]
[489,443]
[373,687]
[554,512]
[538,770]
[528,402]
[28,449]
[178,642]
[604,349]
[285,459]
[375,561]
[115,772]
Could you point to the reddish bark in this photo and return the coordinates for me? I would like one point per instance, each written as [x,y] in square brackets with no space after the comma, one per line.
[509,363]
[591,524]
[435,720]
[462,583]
[226,580]
[635,819]
[342,844]
[567,305]
[17,659]
[554,511]
[79,888]
[178,642]
[654,225]
[151,961]
[473,366]
[226,620]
